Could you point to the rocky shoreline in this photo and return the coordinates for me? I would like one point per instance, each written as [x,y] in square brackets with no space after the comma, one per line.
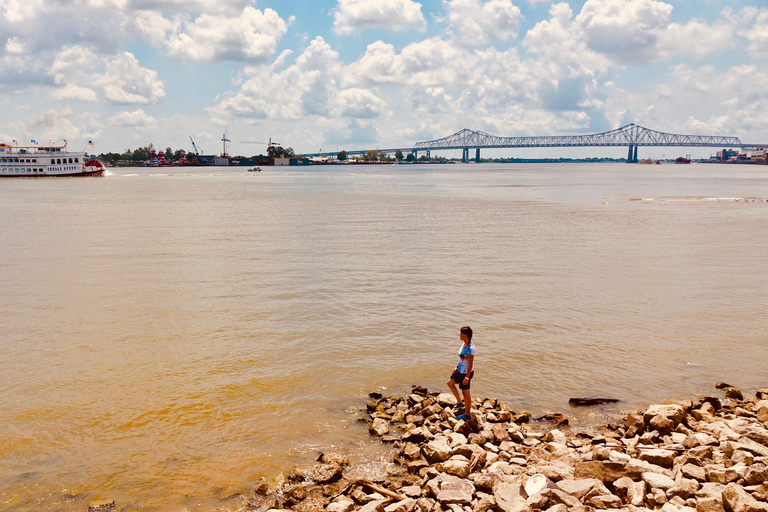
[708,455]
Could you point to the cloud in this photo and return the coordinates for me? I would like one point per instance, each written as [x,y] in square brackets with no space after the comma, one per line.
[432,62]
[135,119]
[757,33]
[253,35]
[639,31]
[701,100]
[352,16]
[476,22]
[126,81]
[359,104]
[73,92]
[304,88]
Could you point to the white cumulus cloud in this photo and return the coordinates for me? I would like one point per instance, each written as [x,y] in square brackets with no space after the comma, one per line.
[253,35]
[353,16]
[126,81]
[639,31]
[133,119]
[73,92]
[476,22]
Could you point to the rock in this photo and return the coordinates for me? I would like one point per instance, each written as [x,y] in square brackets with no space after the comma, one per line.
[636,420]
[345,505]
[605,471]
[685,488]
[749,445]
[437,450]
[660,457]
[560,420]
[557,508]
[694,472]
[457,465]
[757,434]
[557,470]
[734,394]
[406,505]
[456,491]
[379,427]
[722,385]
[605,501]
[579,488]
[373,506]
[485,503]
[486,482]
[736,499]
[674,412]
[508,498]
[415,435]
[662,424]
[500,433]
[566,499]
[709,505]
[721,475]
[101,506]
[657,481]
[555,436]
[756,474]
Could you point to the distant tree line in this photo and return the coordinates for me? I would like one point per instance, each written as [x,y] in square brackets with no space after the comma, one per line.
[144,153]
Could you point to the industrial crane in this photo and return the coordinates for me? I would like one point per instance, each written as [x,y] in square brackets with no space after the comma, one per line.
[194,146]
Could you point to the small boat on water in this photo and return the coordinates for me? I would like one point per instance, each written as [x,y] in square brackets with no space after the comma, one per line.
[683,159]
[255,169]
[35,161]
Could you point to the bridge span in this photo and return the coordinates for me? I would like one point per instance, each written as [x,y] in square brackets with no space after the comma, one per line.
[631,135]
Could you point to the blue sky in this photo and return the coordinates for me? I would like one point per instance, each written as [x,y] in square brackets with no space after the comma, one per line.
[352,74]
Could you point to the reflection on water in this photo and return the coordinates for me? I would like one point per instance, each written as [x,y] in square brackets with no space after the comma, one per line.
[168,338]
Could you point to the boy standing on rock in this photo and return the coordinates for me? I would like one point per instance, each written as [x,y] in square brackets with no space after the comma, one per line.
[463,373]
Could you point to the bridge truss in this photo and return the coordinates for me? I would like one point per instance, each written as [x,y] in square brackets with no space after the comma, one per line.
[631,135]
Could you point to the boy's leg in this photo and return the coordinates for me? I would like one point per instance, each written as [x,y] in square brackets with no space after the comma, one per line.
[467,401]
[454,390]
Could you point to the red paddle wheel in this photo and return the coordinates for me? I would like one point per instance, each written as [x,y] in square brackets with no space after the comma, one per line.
[93,168]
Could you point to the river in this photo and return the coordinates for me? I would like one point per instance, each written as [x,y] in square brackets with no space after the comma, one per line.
[169,336]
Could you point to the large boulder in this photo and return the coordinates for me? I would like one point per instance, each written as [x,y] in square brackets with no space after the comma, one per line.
[736,499]
[379,427]
[659,456]
[438,450]
[457,465]
[657,481]
[673,412]
[508,498]
[456,491]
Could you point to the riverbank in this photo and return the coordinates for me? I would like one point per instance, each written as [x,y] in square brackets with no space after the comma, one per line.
[707,455]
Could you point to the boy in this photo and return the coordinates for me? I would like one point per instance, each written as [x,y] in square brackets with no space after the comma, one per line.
[463,373]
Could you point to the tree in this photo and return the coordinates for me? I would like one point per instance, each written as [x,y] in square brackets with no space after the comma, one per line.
[410,158]
[399,155]
[279,152]
[178,154]
[383,157]
[168,153]
[342,156]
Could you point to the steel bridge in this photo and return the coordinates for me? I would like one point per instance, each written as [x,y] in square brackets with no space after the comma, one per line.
[631,135]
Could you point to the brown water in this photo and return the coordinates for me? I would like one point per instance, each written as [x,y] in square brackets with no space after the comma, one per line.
[169,336]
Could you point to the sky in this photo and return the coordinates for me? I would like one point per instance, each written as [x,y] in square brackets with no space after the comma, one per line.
[362,74]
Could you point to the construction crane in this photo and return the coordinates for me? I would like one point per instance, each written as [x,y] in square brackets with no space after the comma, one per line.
[195,146]
[270,143]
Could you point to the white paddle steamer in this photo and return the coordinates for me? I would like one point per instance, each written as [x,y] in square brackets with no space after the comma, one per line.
[31,161]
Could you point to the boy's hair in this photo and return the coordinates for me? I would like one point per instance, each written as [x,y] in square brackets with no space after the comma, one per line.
[467,330]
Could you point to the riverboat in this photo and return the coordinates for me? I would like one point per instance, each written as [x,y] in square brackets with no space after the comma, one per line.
[34,161]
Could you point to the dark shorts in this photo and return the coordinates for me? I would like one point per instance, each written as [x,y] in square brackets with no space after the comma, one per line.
[458,378]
